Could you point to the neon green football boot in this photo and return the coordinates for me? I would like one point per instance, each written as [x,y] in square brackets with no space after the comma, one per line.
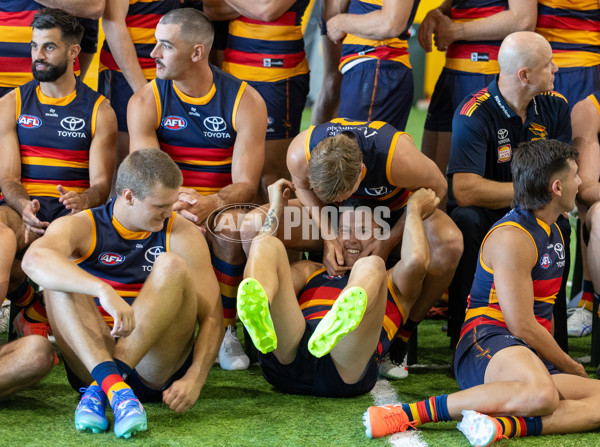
[344,316]
[253,310]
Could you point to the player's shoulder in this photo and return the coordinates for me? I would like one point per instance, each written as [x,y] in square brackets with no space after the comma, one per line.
[476,105]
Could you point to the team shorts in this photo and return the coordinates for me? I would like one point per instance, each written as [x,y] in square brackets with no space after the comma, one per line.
[285,101]
[5,91]
[577,83]
[451,88]
[89,41]
[142,391]
[476,348]
[376,90]
[109,82]
[50,208]
[314,376]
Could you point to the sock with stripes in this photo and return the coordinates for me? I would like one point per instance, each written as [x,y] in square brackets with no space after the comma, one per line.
[519,427]
[587,295]
[124,369]
[229,277]
[434,409]
[399,346]
[22,295]
[110,380]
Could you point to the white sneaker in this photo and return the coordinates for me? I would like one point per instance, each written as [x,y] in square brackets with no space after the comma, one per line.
[391,370]
[479,429]
[4,315]
[231,355]
[579,324]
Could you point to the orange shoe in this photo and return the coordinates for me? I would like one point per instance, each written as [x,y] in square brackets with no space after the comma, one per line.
[386,420]
[24,328]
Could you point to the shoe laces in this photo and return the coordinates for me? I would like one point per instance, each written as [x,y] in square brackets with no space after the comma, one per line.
[231,343]
[124,404]
[92,394]
[396,421]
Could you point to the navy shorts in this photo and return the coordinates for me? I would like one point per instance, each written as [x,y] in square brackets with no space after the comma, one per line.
[109,82]
[451,88]
[140,389]
[50,208]
[577,83]
[476,348]
[285,101]
[5,90]
[314,376]
[377,90]
[89,41]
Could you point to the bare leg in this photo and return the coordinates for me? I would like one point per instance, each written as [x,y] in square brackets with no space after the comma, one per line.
[354,351]
[268,264]
[23,363]
[593,248]
[8,242]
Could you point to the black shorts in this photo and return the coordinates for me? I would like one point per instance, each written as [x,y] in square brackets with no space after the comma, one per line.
[314,376]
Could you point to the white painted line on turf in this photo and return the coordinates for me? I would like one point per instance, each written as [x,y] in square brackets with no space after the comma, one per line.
[384,394]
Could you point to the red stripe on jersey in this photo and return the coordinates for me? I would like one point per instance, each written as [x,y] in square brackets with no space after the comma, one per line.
[109,62]
[124,287]
[142,20]
[287,19]
[383,52]
[476,13]
[15,64]
[547,287]
[60,154]
[181,153]
[66,183]
[570,23]
[199,179]
[321,292]
[18,18]
[257,59]
[547,324]
[481,320]
[464,51]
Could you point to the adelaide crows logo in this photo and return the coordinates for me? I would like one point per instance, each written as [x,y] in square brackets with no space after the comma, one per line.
[546,262]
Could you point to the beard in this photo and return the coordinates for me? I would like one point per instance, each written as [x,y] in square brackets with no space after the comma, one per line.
[51,74]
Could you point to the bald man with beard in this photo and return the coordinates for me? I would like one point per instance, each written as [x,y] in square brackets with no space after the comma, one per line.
[518,106]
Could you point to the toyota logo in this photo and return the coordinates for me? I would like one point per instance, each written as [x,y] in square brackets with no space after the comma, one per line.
[502,133]
[152,253]
[215,123]
[72,123]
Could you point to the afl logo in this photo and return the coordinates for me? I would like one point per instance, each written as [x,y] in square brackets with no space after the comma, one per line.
[29,121]
[174,123]
[215,124]
[270,121]
[546,262]
[109,258]
[72,123]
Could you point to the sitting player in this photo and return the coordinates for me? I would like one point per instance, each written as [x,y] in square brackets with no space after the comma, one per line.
[136,262]
[323,335]
[507,363]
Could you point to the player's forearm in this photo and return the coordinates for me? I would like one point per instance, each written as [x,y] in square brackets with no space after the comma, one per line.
[96,195]
[495,27]
[15,195]
[206,347]
[484,193]
[219,10]
[589,193]
[123,51]
[375,25]
[240,192]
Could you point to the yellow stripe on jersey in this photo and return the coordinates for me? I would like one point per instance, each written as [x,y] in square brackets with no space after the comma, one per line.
[46,190]
[236,104]
[508,224]
[394,42]
[570,35]
[157,102]
[128,234]
[66,100]
[469,66]
[579,5]
[169,231]
[484,311]
[95,114]
[261,74]
[92,242]
[149,73]
[15,34]
[204,162]
[321,302]
[275,33]
[576,59]
[46,161]
[391,151]
[203,190]
[18,100]
[307,142]
[595,101]
[142,35]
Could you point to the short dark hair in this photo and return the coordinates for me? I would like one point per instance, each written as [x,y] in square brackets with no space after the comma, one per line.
[70,28]
[194,26]
[143,169]
[533,166]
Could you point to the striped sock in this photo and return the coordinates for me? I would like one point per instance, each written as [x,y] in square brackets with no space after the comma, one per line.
[519,427]
[36,312]
[107,375]
[587,295]
[229,277]
[124,369]
[22,295]
[434,409]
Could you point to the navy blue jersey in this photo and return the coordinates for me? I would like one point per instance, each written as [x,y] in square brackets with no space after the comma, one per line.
[483,306]
[55,135]
[377,142]
[485,130]
[122,258]
[199,133]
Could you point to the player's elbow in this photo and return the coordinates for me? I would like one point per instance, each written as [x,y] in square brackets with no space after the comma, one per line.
[464,195]
[266,13]
[526,22]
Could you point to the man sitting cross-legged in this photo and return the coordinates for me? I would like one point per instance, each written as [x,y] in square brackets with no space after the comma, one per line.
[323,335]
[135,262]
[507,363]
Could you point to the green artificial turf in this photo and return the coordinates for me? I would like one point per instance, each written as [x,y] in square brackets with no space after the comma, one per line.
[239,408]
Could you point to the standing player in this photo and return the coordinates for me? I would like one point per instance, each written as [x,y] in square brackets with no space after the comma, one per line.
[212,125]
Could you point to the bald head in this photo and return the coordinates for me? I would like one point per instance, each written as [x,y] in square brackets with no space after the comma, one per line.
[523,49]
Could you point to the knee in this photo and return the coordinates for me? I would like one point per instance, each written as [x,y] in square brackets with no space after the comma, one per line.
[170,266]
[542,399]
[372,267]
[251,224]
[592,220]
[39,354]
[416,266]
[447,247]
[268,246]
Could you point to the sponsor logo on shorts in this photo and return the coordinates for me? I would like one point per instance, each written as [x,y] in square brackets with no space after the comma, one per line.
[29,121]
[174,123]
[546,262]
[270,62]
[504,153]
[110,258]
[480,57]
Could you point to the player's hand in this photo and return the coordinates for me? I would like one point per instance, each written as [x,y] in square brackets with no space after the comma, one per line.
[334,32]
[425,201]
[72,200]
[121,312]
[333,258]
[181,395]
[279,192]
[32,223]
[576,369]
[427,28]
[193,206]
[445,32]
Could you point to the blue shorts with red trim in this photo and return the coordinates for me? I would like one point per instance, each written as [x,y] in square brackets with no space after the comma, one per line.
[285,101]
[376,90]
[112,81]
[476,348]
[309,375]
[451,88]
[577,83]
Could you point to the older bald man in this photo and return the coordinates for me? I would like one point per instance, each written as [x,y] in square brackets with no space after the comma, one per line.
[518,106]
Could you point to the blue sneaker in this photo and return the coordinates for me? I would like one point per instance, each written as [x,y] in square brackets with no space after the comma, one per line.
[89,414]
[130,416]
